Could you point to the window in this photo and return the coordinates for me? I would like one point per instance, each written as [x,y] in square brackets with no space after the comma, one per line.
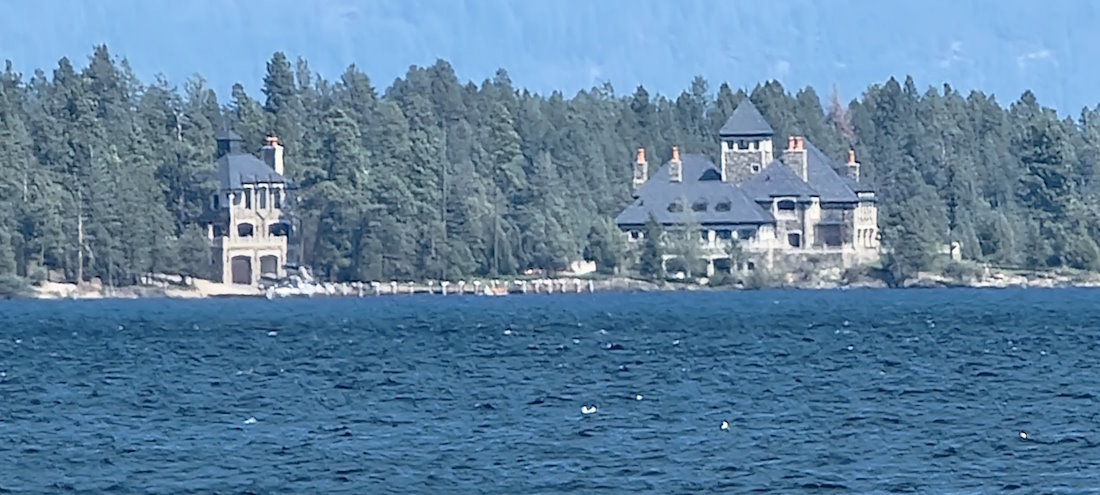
[248,199]
[262,194]
[279,229]
[725,234]
[236,198]
[277,197]
[750,266]
[675,207]
[723,206]
[786,205]
[244,230]
[755,168]
[635,235]
[704,235]
[746,234]
[699,206]
[214,201]
[742,145]
[794,239]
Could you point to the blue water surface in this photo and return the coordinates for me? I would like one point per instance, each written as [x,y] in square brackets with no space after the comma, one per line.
[860,391]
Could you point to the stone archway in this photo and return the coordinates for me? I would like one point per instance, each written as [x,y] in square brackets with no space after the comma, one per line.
[242,270]
[269,265]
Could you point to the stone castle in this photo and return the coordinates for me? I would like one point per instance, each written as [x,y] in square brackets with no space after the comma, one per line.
[781,211]
[248,218]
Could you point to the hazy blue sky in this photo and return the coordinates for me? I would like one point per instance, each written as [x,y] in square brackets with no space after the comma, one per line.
[999,46]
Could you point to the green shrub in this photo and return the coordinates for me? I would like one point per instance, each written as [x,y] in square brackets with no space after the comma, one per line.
[12,286]
[961,270]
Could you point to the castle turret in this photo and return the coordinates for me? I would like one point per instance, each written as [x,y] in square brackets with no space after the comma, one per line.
[229,142]
[746,143]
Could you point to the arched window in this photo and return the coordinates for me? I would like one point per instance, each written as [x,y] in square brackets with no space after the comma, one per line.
[244,229]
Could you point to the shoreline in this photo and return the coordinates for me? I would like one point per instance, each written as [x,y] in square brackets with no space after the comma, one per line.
[164,287]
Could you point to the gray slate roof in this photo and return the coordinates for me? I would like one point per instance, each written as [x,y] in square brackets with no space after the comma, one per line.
[233,170]
[858,187]
[777,179]
[701,183]
[746,121]
[831,187]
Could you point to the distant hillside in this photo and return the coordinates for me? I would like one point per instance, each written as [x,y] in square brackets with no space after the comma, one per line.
[1001,47]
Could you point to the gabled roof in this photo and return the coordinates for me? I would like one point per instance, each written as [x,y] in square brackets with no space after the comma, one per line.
[777,179]
[233,170]
[746,121]
[823,178]
[701,184]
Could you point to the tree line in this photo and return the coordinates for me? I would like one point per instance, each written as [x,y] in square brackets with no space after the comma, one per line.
[433,178]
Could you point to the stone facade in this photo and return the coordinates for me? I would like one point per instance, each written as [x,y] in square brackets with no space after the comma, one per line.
[802,208]
[248,218]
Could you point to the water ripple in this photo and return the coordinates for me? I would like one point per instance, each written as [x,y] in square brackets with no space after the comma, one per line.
[845,392]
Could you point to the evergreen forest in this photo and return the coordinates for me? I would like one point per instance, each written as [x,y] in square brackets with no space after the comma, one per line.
[104,175]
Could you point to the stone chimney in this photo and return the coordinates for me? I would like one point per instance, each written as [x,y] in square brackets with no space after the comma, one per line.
[675,167]
[273,154]
[641,170]
[795,157]
[851,168]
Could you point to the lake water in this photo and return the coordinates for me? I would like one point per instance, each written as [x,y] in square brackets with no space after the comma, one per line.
[877,391]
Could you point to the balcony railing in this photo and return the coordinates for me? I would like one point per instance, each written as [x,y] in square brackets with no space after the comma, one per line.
[249,241]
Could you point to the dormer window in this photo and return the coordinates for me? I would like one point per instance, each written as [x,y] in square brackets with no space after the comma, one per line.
[699,206]
[723,206]
[786,205]
[675,207]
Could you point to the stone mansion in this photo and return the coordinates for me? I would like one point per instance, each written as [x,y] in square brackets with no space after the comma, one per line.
[783,207]
[247,219]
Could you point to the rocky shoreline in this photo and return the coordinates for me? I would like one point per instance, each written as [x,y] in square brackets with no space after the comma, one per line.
[167,287]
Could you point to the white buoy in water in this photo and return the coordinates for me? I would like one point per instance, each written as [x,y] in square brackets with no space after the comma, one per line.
[638,397]
[250,421]
[725,426]
[588,409]
[1023,435]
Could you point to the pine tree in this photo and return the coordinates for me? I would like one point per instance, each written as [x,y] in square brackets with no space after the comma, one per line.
[651,262]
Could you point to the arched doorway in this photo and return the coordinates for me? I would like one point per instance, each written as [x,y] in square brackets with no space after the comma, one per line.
[242,270]
[269,265]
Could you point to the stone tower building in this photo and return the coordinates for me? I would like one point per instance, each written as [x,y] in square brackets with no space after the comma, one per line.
[746,144]
[248,218]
